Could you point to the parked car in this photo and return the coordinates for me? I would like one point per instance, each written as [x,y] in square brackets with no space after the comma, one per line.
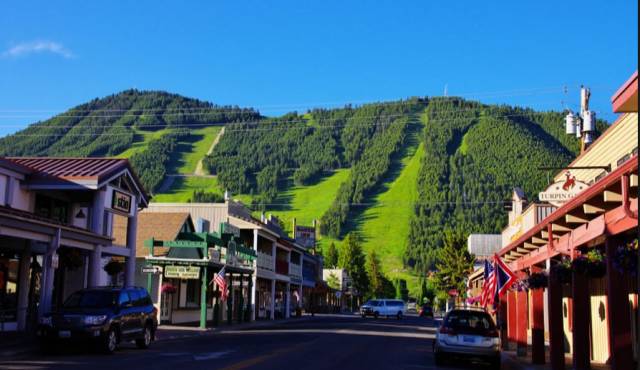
[106,316]
[412,305]
[425,311]
[383,307]
[468,332]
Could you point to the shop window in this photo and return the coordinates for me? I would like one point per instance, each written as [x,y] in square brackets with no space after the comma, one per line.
[8,287]
[192,294]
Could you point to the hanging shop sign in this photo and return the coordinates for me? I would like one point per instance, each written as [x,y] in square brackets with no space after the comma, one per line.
[182,272]
[227,228]
[561,192]
[305,236]
[151,269]
[119,201]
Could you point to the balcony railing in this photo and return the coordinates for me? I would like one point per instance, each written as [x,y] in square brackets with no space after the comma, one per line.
[295,270]
[265,261]
[282,267]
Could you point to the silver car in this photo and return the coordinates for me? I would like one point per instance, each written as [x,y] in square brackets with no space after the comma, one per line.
[468,332]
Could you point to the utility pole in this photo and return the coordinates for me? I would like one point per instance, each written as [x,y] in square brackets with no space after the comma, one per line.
[583,125]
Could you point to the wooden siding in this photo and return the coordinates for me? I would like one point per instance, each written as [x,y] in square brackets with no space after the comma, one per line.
[619,140]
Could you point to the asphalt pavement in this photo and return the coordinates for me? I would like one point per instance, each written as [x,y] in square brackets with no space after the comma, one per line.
[322,342]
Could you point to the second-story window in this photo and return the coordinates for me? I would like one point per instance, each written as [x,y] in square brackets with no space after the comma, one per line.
[52,208]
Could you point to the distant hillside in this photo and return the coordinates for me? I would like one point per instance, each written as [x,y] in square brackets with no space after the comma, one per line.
[398,173]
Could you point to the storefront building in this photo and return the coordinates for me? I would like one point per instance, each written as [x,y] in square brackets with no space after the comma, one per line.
[180,273]
[277,286]
[588,305]
[56,227]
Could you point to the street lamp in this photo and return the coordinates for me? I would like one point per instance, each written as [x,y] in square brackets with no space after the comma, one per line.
[583,125]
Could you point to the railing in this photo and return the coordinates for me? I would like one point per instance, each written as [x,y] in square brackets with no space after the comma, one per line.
[295,270]
[282,267]
[265,261]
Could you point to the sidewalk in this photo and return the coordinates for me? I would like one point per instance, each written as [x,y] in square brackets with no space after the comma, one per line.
[511,361]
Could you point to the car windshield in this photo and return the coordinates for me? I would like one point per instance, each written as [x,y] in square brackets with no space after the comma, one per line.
[469,322]
[91,299]
[372,303]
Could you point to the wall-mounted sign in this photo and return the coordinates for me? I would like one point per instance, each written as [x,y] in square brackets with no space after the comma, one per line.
[305,236]
[119,201]
[227,228]
[151,269]
[561,192]
[182,272]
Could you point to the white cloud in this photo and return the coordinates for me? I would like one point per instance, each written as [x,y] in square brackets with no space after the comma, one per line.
[36,47]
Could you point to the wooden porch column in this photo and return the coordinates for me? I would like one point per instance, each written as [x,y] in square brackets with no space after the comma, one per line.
[556,329]
[618,314]
[230,299]
[581,322]
[502,322]
[511,316]
[537,326]
[241,300]
[521,322]
[203,298]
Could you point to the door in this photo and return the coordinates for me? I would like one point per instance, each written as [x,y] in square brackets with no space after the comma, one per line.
[166,304]
[127,324]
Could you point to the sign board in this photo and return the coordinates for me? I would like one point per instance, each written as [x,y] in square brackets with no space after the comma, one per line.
[151,270]
[227,228]
[305,236]
[561,192]
[182,272]
[54,261]
[119,201]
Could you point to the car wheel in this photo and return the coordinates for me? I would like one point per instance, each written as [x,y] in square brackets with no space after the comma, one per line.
[399,315]
[145,340]
[496,363]
[438,359]
[375,315]
[110,342]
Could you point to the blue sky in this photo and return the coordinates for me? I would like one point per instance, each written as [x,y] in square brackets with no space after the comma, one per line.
[280,56]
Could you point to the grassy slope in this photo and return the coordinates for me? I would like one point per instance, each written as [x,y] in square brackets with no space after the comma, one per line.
[386,225]
[140,141]
[193,149]
[189,152]
[306,203]
[182,189]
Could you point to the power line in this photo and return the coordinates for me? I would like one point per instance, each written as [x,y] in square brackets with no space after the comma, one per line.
[228,127]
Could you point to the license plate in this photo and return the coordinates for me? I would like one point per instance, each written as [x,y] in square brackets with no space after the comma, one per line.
[64,333]
[468,339]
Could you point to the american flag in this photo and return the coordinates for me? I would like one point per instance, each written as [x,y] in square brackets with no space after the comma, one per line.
[222,283]
[489,285]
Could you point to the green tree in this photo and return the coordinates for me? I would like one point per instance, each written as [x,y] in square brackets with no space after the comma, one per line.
[334,282]
[454,263]
[376,278]
[353,261]
[331,259]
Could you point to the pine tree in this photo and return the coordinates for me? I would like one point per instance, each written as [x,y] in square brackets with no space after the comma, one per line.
[376,279]
[352,259]
[454,263]
[331,259]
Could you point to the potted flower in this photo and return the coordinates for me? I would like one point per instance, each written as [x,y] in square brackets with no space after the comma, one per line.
[562,271]
[113,268]
[168,288]
[71,258]
[597,267]
[538,280]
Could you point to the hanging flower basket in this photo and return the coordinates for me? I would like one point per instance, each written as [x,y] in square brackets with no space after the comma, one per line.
[71,258]
[625,258]
[538,280]
[562,272]
[113,268]
[591,264]
[168,288]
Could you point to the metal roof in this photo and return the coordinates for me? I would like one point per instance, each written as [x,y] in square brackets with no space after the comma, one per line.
[77,170]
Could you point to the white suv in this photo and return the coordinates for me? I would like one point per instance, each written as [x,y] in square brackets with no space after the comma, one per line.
[383,307]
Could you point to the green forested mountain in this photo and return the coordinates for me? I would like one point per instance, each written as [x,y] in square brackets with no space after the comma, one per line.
[462,157]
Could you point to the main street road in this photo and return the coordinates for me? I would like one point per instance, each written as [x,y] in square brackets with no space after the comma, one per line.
[327,342]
